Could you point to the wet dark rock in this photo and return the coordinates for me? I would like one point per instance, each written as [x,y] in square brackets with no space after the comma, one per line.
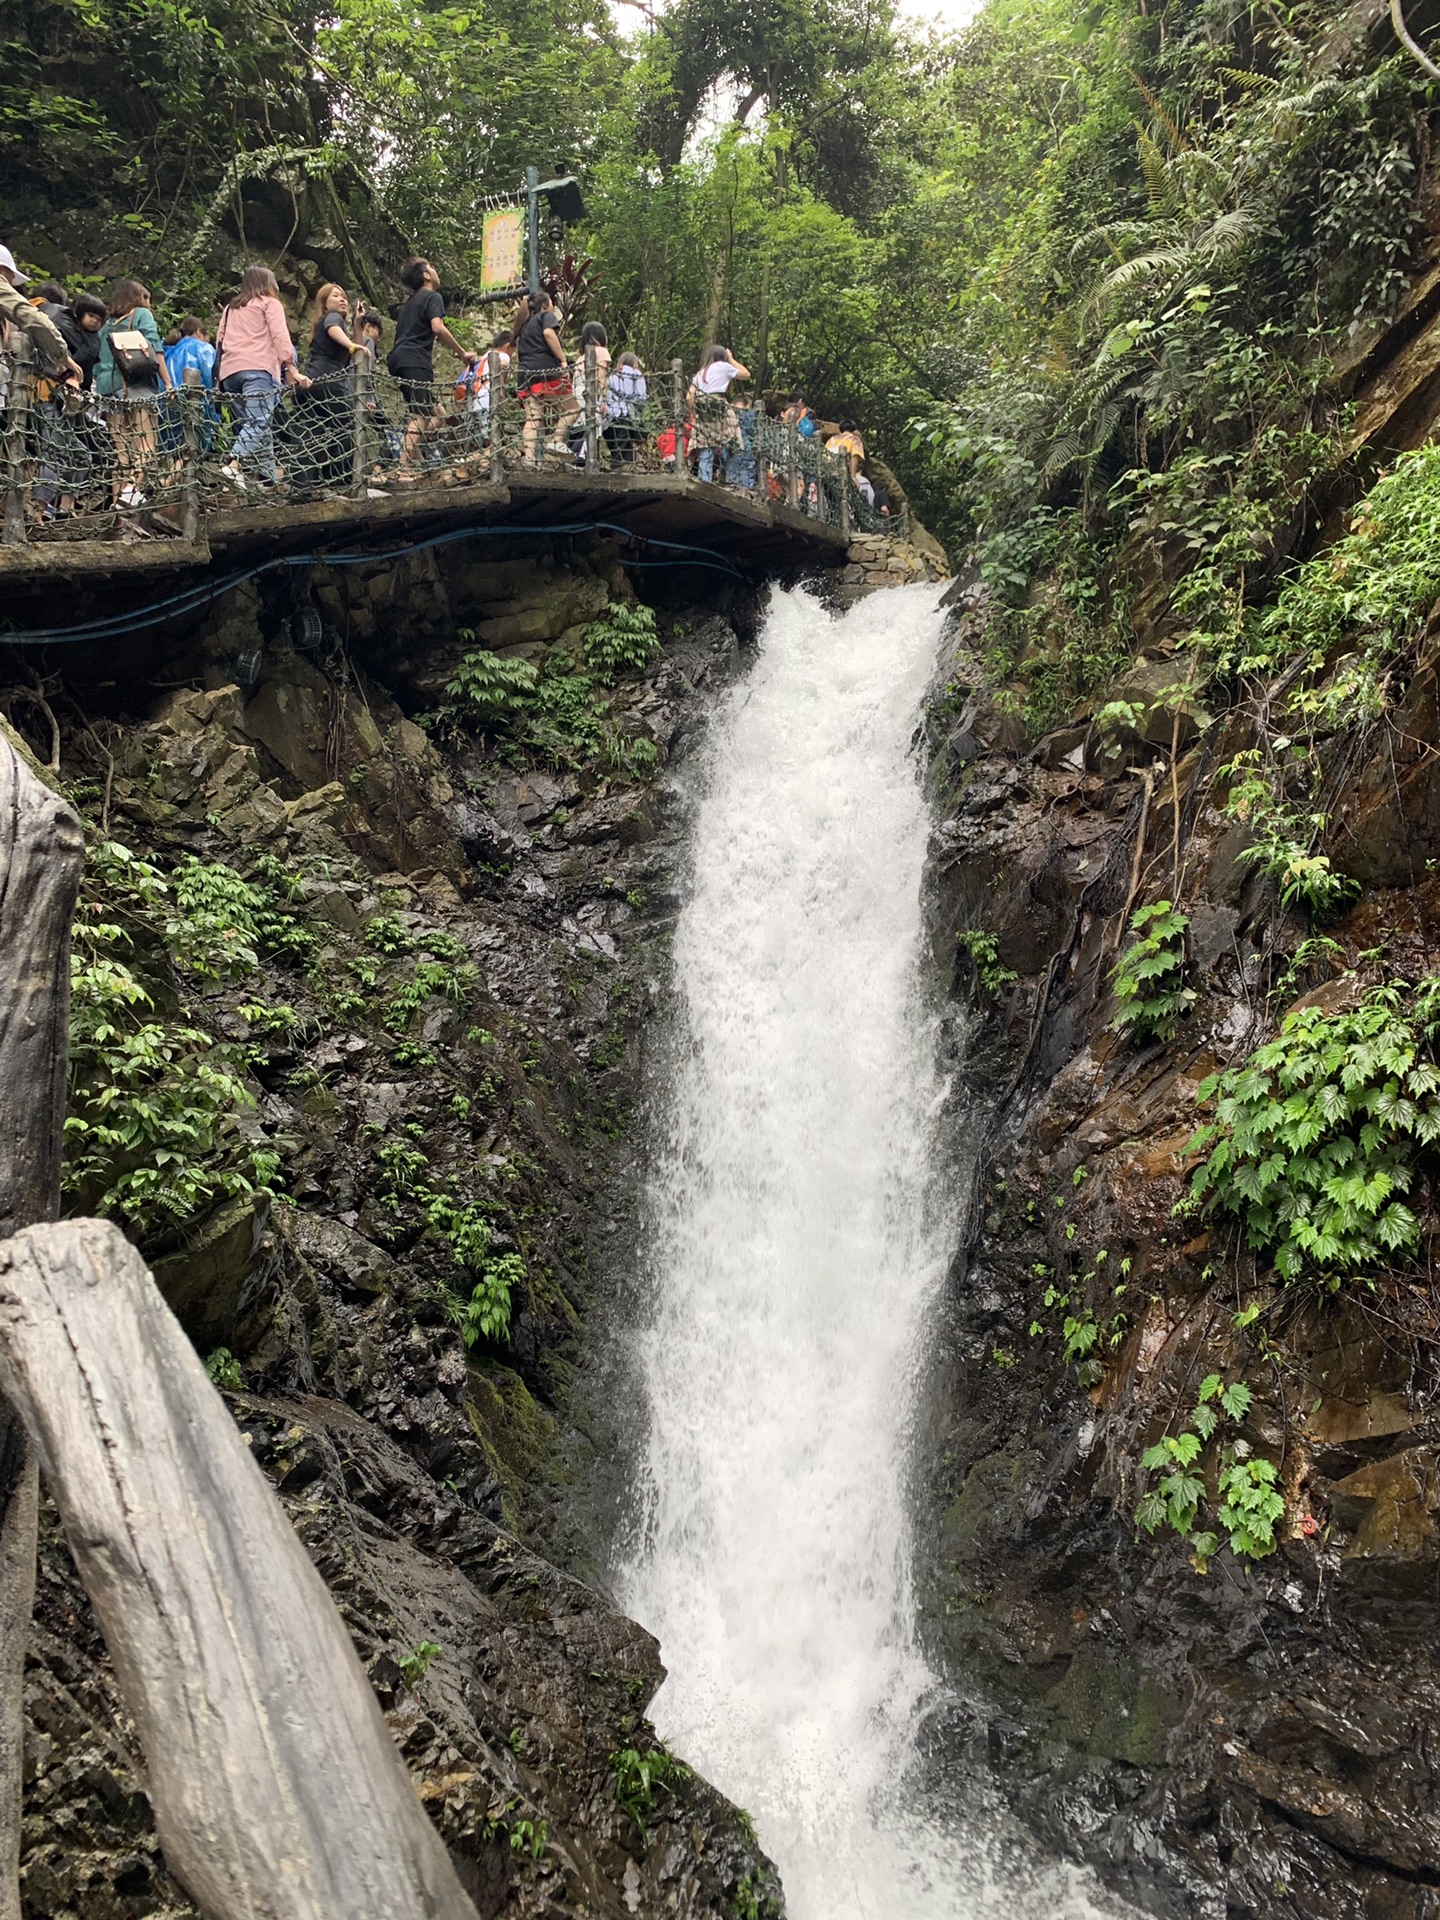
[1258,1739]
[411,1464]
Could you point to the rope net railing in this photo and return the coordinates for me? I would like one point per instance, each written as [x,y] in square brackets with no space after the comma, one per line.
[81,466]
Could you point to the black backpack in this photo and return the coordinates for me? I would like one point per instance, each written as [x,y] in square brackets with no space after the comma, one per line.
[136,361]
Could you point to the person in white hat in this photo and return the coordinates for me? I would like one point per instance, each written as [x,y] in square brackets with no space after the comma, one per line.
[16,308]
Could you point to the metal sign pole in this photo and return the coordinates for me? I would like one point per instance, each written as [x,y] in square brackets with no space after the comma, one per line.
[532,228]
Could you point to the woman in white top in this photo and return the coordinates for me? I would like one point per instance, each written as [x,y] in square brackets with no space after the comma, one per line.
[592,334]
[716,427]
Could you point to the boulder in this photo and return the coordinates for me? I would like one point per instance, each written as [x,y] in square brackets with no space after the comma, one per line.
[206,1280]
[1391,1509]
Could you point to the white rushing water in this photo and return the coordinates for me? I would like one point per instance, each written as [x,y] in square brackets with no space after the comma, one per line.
[797,1248]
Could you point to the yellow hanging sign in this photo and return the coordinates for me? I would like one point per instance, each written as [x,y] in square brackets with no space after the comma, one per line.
[502,249]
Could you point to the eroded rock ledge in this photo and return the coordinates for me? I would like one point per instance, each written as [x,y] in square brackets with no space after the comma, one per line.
[540,901]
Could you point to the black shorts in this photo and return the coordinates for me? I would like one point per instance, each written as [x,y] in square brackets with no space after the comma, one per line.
[419,392]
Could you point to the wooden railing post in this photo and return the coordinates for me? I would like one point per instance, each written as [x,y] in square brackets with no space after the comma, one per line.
[792,453]
[191,389]
[592,411]
[845,485]
[17,421]
[497,402]
[364,391]
[677,411]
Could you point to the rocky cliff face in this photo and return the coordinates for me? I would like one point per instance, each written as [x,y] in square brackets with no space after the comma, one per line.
[1244,1737]
[439,1034]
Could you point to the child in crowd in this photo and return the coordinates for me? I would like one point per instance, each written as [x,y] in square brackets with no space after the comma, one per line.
[372,333]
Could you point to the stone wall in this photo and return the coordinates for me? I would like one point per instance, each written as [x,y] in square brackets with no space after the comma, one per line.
[877,560]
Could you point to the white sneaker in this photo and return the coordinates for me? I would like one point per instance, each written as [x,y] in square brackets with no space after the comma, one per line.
[234,476]
[131,497]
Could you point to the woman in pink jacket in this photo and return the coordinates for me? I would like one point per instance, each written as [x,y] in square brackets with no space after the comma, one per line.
[255,355]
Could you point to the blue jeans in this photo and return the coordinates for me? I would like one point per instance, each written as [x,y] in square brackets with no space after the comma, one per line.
[255,394]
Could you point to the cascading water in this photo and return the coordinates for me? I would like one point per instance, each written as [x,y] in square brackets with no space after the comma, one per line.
[797,1243]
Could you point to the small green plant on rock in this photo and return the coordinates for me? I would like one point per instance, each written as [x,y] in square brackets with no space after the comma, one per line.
[1082,1330]
[639,1776]
[224,1369]
[487,689]
[1317,1137]
[1283,840]
[430,979]
[212,930]
[752,1902]
[1310,953]
[623,640]
[418,1662]
[1149,975]
[529,1836]
[984,951]
[1248,1504]
[388,933]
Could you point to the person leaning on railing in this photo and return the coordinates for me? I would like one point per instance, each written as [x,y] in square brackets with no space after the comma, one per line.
[15,308]
[254,354]
[372,337]
[544,379]
[625,397]
[716,428]
[50,343]
[324,428]
[592,337]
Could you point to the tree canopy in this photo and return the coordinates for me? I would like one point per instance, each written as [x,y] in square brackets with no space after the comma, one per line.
[1026,258]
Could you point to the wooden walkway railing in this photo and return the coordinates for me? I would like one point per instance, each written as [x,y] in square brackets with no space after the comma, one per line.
[82,468]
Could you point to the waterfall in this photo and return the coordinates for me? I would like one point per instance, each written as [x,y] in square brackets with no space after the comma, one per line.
[797,1243]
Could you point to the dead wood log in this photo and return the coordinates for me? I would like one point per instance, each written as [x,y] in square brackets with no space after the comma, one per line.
[41,852]
[278,1792]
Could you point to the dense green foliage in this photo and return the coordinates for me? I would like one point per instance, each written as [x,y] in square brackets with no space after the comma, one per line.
[1095,251]
[155,1134]
[560,710]
[1318,1138]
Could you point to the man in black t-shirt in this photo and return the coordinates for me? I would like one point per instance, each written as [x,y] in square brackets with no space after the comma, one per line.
[412,358]
[544,382]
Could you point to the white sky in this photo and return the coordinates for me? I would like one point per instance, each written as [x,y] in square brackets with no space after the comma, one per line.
[946,14]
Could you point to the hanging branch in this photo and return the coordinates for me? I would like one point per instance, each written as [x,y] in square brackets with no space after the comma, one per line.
[1408,41]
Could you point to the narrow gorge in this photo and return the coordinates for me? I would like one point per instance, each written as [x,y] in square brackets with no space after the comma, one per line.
[767,1000]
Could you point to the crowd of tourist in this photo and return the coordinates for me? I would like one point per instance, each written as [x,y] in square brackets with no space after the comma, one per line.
[108,410]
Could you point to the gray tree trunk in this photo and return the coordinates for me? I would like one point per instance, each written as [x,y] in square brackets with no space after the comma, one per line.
[41,853]
[278,1792]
